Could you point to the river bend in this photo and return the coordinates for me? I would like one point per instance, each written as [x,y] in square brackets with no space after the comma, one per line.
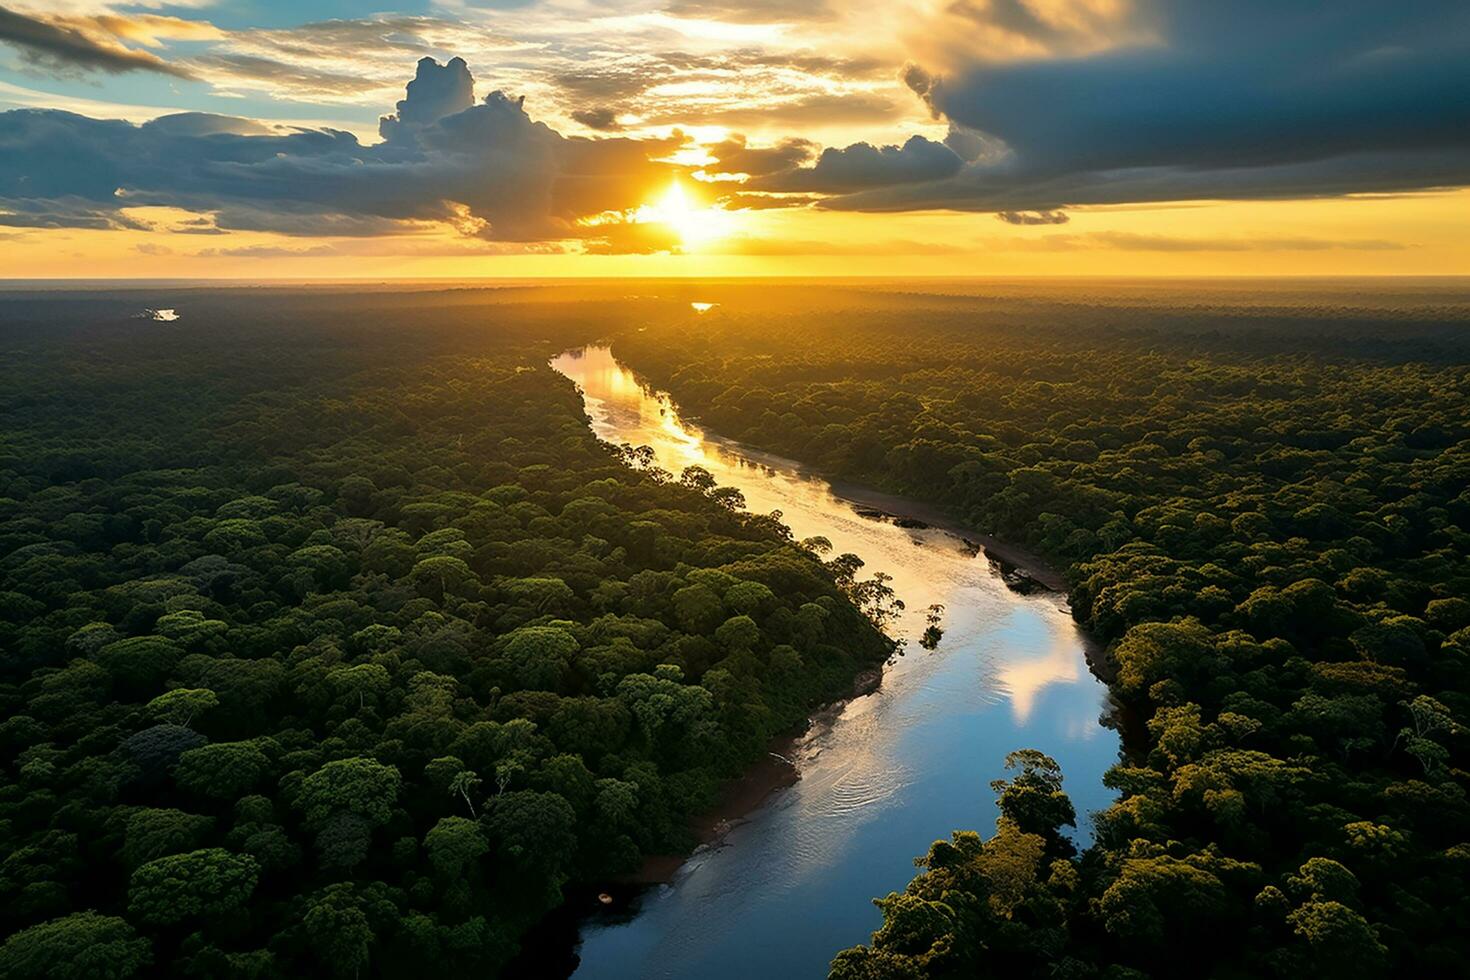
[891,771]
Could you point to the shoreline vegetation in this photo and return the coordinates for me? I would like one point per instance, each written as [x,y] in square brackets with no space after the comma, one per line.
[351,652]
[335,642]
[1262,515]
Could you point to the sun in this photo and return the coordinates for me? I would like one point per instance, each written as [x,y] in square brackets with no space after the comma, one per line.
[694,224]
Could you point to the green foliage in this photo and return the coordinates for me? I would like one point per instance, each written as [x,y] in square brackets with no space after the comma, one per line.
[1259,510]
[207,882]
[337,644]
[454,845]
[224,770]
[80,946]
[152,833]
[362,787]
[181,705]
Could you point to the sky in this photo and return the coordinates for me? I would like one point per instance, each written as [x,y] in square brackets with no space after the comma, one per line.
[262,139]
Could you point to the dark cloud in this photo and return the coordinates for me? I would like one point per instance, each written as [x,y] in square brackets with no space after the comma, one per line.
[372,247]
[62,212]
[862,166]
[602,118]
[485,168]
[57,44]
[1033,217]
[743,201]
[435,92]
[1251,99]
[208,124]
[611,82]
[735,156]
[1079,27]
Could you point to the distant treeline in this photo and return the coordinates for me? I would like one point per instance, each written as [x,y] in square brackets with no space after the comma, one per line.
[335,644]
[1265,512]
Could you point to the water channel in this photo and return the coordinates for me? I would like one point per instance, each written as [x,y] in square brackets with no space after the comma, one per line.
[888,773]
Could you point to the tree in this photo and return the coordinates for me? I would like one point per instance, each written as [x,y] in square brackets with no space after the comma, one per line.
[1155,895]
[738,633]
[1033,799]
[155,751]
[534,830]
[223,770]
[1152,652]
[697,608]
[1339,941]
[364,787]
[339,930]
[541,655]
[191,628]
[1430,718]
[80,946]
[361,682]
[140,664]
[453,845]
[442,576]
[152,833]
[208,882]
[181,705]
[463,784]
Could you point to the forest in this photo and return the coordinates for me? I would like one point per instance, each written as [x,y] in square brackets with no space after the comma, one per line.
[336,644]
[1263,510]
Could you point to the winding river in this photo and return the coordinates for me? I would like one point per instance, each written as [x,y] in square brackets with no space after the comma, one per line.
[886,775]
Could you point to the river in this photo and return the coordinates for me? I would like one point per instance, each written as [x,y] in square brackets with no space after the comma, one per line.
[890,772]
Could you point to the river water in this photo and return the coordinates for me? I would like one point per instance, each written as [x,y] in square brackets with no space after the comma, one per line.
[893,770]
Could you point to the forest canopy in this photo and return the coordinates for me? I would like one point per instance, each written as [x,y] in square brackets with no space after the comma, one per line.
[336,644]
[1263,508]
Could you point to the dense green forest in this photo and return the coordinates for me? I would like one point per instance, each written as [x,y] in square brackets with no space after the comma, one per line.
[1265,513]
[336,645]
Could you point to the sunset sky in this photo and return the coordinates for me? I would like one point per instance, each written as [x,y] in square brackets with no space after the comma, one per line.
[265,139]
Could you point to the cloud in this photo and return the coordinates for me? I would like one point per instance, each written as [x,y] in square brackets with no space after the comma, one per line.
[965,32]
[745,245]
[751,11]
[742,201]
[484,169]
[379,248]
[803,110]
[267,252]
[1193,99]
[88,44]
[435,92]
[603,118]
[1033,217]
[735,156]
[863,166]
[1133,242]
[302,80]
